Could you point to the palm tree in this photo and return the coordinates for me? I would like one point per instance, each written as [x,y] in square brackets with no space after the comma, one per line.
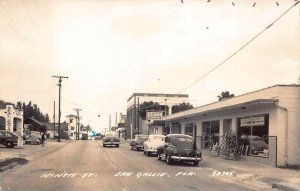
[225,95]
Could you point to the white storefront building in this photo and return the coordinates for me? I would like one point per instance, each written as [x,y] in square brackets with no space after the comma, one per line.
[11,119]
[265,123]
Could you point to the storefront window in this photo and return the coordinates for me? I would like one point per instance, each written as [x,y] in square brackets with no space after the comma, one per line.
[189,129]
[253,133]
[210,132]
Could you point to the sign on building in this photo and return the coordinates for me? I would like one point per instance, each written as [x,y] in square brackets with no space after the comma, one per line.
[253,121]
[154,115]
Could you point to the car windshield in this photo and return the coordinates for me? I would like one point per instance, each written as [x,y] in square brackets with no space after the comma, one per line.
[141,137]
[184,139]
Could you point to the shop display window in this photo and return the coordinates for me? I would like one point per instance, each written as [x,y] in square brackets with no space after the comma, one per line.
[210,132]
[253,134]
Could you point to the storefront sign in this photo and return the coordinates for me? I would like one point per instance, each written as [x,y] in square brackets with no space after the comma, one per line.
[253,121]
[154,115]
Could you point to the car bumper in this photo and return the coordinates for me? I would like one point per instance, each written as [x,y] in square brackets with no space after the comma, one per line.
[186,158]
[154,151]
[111,143]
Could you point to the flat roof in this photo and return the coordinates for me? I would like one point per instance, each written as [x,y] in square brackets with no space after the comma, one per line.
[157,95]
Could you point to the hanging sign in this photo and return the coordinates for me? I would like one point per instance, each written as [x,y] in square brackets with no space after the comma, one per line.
[253,121]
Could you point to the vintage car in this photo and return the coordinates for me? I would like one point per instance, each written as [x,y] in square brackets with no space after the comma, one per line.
[33,139]
[151,145]
[10,139]
[111,139]
[138,142]
[179,147]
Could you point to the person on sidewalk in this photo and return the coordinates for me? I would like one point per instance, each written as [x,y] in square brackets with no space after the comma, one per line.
[43,137]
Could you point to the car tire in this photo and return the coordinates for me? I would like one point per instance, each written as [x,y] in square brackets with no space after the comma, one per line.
[158,156]
[104,146]
[117,145]
[148,154]
[196,163]
[131,148]
[169,160]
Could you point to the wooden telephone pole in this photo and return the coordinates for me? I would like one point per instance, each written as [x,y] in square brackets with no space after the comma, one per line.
[59,112]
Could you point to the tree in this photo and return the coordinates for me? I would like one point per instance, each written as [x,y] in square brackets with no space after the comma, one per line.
[181,107]
[145,106]
[86,128]
[225,95]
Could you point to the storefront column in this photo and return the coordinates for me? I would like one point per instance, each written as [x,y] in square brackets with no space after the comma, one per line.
[182,128]
[221,133]
[234,126]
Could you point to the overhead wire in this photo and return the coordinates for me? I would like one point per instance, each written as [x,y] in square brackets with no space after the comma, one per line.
[238,50]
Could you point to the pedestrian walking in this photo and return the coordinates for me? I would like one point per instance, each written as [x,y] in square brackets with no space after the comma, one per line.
[43,137]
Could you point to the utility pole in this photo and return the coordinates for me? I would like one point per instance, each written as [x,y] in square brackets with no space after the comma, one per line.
[59,112]
[109,126]
[77,123]
[54,122]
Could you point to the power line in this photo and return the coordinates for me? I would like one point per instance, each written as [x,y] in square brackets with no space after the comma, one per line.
[237,51]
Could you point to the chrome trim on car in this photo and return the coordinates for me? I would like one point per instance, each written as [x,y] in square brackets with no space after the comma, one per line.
[186,158]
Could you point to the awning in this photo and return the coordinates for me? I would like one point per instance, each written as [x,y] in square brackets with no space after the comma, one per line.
[35,121]
[216,107]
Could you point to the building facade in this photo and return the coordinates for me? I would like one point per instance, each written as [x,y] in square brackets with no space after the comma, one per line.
[11,119]
[264,125]
[72,125]
[135,124]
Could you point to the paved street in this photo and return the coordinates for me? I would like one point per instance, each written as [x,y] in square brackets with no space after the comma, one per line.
[86,165]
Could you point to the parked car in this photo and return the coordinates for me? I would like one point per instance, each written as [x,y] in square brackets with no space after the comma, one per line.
[10,139]
[179,147]
[138,142]
[256,144]
[33,139]
[111,139]
[151,145]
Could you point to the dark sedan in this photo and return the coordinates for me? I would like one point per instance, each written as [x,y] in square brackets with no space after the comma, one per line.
[179,147]
[111,139]
[138,142]
[10,139]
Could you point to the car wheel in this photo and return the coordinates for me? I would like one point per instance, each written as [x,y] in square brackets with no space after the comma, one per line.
[104,146]
[158,156]
[148,154]
[144,152]
[7,145]
[169,160]
[117,145]
[196,163]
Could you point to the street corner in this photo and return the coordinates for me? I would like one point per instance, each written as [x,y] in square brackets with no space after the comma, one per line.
[10,163]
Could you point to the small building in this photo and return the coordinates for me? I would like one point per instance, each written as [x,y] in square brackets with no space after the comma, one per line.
[264,123]
[72,125]
[51,130]
[134,123]
[11,119]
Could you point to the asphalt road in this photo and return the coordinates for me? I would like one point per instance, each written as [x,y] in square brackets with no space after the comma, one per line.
[86,165]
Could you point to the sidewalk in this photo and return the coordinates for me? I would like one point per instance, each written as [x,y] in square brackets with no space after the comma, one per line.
[254,174]
[27,152]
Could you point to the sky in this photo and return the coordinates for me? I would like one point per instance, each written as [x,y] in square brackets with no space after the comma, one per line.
[112,49]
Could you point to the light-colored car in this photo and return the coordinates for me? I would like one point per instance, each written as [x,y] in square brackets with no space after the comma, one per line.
[33,139]
[151,145]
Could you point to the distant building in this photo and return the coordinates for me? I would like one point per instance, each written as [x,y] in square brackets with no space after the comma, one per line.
[72,122]
[134,124]
[64,130]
